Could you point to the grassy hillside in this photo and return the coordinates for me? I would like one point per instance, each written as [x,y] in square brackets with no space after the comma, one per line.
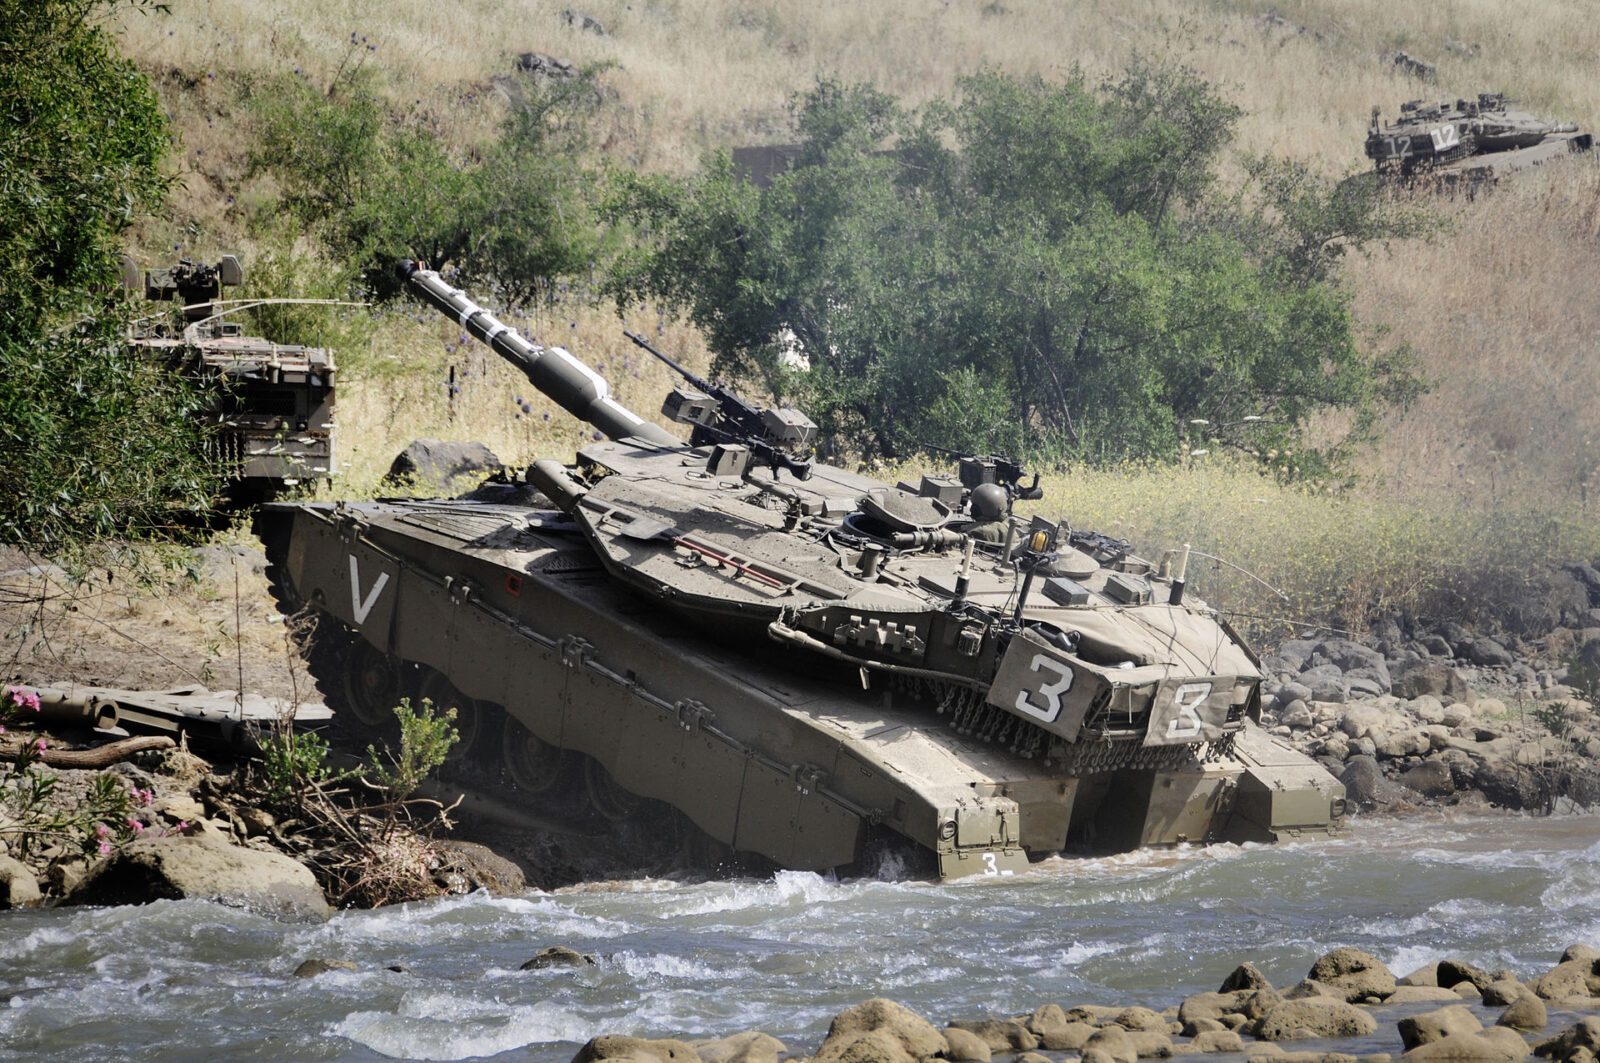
[1500,305]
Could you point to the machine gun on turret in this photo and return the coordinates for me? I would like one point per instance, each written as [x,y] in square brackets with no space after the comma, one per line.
[719,416]
[979,469]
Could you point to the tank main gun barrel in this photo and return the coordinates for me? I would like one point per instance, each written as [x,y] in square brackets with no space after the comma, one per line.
[577,388]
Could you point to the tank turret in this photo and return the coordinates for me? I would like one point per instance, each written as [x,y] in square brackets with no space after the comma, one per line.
[795,658]
[1474,140]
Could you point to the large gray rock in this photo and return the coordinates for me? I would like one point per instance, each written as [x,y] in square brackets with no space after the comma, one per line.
[1359,721]
[1432,677]
[206,868]
[1367,788]
[443,465]
[1431,778]
[1354,659]
[1357,975]
[1488,652]
[1313,1017]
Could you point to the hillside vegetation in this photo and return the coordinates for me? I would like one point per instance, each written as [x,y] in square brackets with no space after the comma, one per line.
[1498,305]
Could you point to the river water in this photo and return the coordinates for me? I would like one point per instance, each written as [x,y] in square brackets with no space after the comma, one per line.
[189,981]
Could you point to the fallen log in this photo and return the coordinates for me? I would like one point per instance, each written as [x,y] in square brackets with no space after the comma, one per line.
[98,757]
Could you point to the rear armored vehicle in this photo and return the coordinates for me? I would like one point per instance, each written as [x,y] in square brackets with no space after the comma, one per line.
[1468,141]
[271,414]
[804,662]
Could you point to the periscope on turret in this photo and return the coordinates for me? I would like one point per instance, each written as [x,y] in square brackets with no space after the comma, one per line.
[801,662]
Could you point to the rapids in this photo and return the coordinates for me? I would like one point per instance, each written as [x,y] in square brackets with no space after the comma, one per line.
[189,981]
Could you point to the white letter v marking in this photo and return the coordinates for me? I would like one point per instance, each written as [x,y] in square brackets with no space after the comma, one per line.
[364,606]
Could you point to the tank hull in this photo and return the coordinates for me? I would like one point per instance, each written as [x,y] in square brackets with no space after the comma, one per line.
[764,748]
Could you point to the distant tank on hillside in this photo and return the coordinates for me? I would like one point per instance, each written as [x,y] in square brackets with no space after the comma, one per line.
[1467,142]
[272,404]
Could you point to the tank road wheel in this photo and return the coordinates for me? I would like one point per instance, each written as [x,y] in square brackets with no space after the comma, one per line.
[372,687]
[438,689]
[533,764]
[607,795]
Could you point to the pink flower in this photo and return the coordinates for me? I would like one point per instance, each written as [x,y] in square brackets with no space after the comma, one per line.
[182,826]
[105,848]
[101,830]
[135,826]
[24,699]
[143,797]
[39,745]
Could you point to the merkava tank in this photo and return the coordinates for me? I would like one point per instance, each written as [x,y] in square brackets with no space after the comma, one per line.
[272,406]
[801,660]
[1467,142]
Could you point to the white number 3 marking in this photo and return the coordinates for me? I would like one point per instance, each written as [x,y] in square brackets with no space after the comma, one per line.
[1189,698]
[1050,692]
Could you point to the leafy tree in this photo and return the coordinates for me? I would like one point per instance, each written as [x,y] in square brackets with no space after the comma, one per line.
[513,215]
[1047,268]
[94,438]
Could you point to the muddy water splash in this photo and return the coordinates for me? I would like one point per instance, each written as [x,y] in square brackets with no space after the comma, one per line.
[189,981]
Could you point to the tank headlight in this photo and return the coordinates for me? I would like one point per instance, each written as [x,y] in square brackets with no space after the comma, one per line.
[947,829]
[1337,808]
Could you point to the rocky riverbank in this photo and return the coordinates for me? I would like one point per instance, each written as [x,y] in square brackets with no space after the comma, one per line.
[1449,1010]
[1438,714]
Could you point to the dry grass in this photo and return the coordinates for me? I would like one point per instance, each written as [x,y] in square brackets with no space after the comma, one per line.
[1318,557]
[399,390]
[1499,309]
[714,73]
[1503,311]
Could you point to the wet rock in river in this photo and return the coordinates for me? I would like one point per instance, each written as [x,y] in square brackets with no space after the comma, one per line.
[879,1029]
[637,1050]
[1436,1025]
[1579,1042]
[177,867]
[558,956]
[1421,994]
[751,1046]
[1313,1017]
[1001,1035]
[1490,1046]
[966,1046]
[1358,975]
[1527,1012]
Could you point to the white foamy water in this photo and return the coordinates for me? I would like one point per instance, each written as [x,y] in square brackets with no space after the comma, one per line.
[189,981]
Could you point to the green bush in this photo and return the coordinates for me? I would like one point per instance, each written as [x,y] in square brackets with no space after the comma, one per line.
[1036,267]
[426,737]
[95,440]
